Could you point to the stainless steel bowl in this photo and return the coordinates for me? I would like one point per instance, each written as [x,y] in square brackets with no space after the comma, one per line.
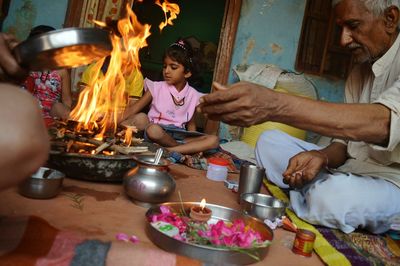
[262,206]
[149,183]
[44,184]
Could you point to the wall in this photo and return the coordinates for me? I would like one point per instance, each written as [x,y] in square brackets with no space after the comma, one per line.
[25,14]
[269,32]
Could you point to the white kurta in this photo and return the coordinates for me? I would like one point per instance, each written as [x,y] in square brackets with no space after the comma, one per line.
[334,199]
[358,193]
[377,84]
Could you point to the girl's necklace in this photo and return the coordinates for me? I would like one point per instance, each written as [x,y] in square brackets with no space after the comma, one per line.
[180,102]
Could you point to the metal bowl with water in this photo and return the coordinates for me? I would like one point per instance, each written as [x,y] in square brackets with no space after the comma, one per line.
[262,206]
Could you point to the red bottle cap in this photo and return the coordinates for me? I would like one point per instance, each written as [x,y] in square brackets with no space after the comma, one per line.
[218,161]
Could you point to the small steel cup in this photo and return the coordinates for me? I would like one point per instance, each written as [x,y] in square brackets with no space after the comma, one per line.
[250,179]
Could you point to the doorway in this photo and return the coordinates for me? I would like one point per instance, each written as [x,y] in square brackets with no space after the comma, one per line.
[199,22]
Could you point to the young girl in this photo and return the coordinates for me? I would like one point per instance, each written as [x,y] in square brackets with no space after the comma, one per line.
[51,88]
[173,104]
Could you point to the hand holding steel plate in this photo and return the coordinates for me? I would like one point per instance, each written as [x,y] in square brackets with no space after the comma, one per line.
[64,48]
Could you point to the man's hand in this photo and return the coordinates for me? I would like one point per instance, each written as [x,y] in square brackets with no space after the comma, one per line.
[304,167]
[241,104]
[9,68]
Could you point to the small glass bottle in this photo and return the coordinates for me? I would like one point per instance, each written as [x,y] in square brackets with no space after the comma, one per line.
[217,169]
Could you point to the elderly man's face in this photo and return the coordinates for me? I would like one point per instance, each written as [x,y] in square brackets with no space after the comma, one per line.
[363,33]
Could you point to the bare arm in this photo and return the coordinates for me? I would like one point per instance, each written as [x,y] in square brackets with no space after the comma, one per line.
[336,154]
[305,166]
[246,104]
[191,125]
[9,68]
[66,95]
[24,143]
[138,105]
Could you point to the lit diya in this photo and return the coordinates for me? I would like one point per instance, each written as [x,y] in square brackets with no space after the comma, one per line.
[200,213]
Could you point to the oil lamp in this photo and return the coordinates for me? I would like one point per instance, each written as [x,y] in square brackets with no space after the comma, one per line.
[200,213]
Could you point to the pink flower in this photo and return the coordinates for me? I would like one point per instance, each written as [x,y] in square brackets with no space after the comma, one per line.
[124,237]
[235,234]
[165,209]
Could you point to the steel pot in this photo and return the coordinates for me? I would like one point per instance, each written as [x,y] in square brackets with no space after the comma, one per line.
[149,183]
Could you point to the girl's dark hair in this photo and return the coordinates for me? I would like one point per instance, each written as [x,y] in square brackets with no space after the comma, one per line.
[39,30]
[182,52]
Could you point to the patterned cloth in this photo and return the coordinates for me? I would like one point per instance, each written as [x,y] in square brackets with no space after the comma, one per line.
[199,160]
[337,248]
[33,241]
[46,87]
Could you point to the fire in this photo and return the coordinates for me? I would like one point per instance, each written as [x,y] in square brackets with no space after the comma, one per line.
[103,101]
[203,203]
[173,9]
[128,134]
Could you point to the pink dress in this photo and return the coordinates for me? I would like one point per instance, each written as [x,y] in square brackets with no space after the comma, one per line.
[46,87]
[169,106]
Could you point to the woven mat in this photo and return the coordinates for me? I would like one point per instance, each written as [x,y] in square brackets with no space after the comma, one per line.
[337,248]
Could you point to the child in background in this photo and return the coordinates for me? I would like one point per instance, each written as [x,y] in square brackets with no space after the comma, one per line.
[133,79]
[52,88]
[173,104]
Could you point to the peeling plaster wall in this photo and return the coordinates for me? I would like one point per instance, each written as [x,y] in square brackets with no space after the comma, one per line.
[269,32]
[26,14]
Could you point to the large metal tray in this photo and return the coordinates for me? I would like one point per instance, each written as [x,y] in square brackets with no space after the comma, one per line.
[64,48]
[206,253]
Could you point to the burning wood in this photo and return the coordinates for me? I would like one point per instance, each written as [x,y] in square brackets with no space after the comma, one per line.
[102,102]
[74,140]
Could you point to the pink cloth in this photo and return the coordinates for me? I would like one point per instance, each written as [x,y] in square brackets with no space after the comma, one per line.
[164,110]
[46,87]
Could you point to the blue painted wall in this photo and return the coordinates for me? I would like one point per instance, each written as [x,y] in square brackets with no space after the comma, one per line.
[269,32]
[25,14]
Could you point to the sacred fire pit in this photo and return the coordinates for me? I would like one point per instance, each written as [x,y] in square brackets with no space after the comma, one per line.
[80,155]
[91,145]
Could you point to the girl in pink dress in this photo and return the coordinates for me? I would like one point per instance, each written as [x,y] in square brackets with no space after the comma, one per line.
[51,88]
[172,105]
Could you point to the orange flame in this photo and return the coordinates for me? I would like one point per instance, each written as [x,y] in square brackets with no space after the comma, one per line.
[203,203]
[102,103]
[128,134]
[172,9]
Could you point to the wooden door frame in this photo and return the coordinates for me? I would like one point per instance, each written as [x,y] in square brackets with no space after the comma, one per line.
[225,46]
[225,50]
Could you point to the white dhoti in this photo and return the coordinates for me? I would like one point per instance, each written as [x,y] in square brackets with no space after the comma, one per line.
[334,199]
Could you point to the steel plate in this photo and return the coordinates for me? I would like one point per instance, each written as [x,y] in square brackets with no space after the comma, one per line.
[206,253]
[64,48]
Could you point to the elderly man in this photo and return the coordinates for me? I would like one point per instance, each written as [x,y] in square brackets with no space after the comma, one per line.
[24,142]
[355,181]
